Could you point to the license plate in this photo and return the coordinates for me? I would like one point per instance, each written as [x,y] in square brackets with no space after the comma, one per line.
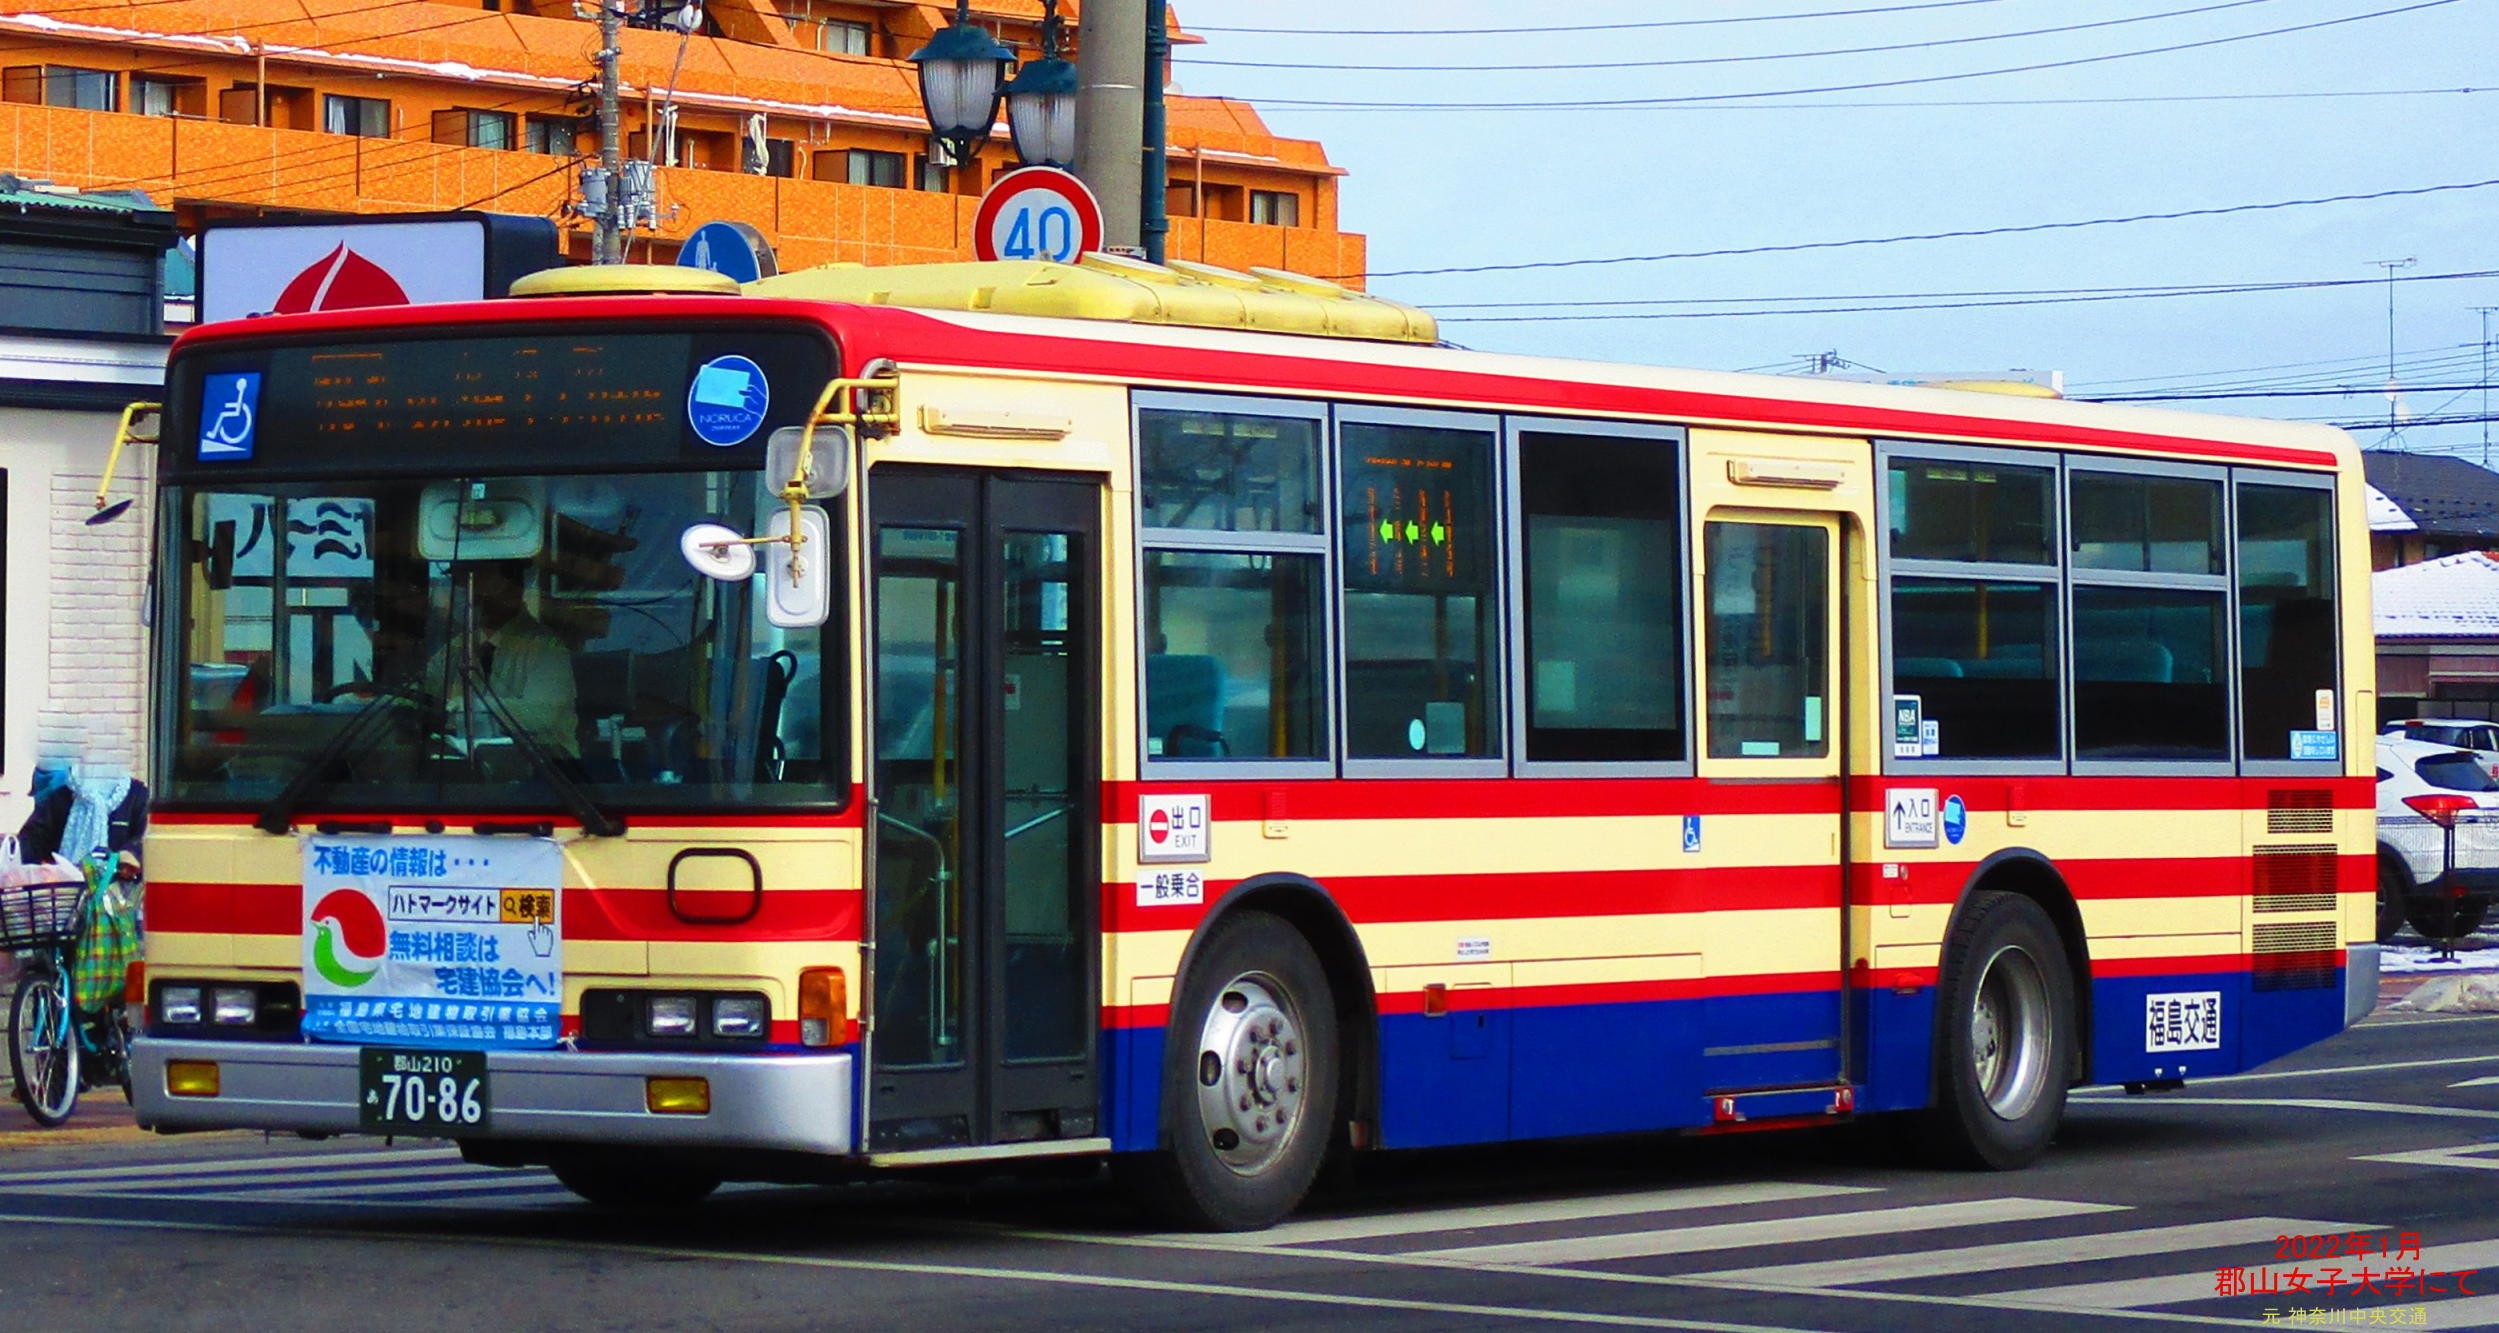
[422,1092]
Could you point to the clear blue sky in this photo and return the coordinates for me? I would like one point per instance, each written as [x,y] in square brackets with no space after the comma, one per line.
[1455,187]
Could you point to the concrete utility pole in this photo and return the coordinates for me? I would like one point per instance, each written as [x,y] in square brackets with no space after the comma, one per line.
[608,246]
[2486,311]
[1110,115]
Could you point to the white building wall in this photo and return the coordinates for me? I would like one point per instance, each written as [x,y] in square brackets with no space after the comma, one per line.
[74,634]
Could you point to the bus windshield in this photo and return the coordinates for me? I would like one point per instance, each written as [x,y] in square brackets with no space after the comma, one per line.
[492,641]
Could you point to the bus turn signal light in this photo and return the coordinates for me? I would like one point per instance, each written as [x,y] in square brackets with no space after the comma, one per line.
[823,1002]
[2441,810]
[191,1078]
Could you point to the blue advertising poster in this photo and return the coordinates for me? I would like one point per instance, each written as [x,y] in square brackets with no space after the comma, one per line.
[433,941]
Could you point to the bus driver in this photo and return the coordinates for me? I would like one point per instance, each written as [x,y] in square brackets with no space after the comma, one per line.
[527,668]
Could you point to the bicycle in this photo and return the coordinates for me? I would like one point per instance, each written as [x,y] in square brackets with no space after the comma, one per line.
[55,1050]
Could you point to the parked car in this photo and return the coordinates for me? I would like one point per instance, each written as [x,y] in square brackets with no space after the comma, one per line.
[2438,838]
[2463,733]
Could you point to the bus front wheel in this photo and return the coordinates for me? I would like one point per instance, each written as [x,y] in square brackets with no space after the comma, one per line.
[2006,1002]
[619,1181]
[1249,1081]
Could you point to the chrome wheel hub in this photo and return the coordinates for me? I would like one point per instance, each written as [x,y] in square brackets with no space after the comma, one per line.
[2010,1034]
[1249,1073]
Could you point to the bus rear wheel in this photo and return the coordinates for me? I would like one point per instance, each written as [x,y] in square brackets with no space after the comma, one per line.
[1249,1081]
[619,1181]
[2006,1011]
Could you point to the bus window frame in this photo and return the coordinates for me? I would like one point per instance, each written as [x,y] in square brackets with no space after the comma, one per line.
[2225,582]
[1889,570]
[1677,441]
[2345,726]
[1322,545]
[1496,690]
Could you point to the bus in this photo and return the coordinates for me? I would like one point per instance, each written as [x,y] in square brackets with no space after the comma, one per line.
[967,716]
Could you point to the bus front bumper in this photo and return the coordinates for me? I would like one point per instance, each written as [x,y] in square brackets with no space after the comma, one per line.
[799,1103]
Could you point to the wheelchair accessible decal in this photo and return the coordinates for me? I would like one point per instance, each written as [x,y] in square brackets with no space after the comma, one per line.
[229,415]
[728,400]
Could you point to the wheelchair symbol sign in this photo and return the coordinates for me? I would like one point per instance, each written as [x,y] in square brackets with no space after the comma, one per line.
[229,414]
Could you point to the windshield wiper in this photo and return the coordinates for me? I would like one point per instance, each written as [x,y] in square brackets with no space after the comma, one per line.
[278,815]
[576,798]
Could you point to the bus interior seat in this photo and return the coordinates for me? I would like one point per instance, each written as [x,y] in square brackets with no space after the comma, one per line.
[1184,704]
[2130,658]
[1926,666]
[2020,661]
[774,671]
[1395,690]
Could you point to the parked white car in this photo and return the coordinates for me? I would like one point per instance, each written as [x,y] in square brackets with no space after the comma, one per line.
[2462,733]
[2438,838]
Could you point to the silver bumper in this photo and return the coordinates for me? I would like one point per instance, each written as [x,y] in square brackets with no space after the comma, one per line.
[795,1103]
[2360,982]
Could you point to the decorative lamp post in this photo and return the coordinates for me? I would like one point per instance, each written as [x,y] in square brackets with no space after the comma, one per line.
[962,73]
[1041,100]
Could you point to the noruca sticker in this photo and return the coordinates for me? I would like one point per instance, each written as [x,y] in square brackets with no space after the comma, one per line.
[1172,828]
[2182,1021]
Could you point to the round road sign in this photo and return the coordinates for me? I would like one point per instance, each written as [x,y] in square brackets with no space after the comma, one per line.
[1037,213]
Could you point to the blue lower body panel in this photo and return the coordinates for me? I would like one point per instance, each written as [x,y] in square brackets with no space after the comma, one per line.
[2198,1025]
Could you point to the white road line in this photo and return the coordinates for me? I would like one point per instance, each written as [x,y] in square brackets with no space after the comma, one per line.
[510,1183]
[1038,1277]
[2337,1104]
[329,1161]
[206,1182]
[2468,1312]
[1339,1229]
[2178,1288]
[2034,1253]
[2469,1156]
[1787,1231]
[2096,1093]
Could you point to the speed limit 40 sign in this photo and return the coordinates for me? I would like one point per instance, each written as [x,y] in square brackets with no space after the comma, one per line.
[1037,213]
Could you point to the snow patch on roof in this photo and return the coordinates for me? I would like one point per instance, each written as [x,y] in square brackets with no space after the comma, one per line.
[2454,597]
[2385,515]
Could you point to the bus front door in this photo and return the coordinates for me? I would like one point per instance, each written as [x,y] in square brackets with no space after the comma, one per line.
[1774,1025]
[985,620]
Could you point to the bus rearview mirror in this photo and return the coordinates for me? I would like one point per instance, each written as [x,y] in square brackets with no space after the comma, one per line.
[827,459]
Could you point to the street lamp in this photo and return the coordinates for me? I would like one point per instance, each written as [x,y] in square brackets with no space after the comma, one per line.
[962,71]
[1041,101]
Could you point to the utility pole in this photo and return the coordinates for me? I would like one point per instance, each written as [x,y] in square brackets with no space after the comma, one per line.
[2391,265]
[608,245]
[2486,311]
[1154,224]
[1110,115]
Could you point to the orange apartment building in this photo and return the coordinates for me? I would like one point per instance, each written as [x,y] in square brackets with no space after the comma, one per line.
[800,117]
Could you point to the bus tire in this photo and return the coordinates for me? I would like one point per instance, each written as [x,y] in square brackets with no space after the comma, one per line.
[620,1182]
[2005,1014]
[1250,1076]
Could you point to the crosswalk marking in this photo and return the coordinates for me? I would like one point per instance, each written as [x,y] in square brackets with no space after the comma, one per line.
[2035,1253]
[340,1174]
[502,1182]
[1377,1226]
[295,1162]
[1785,1231]
[2175,1289]
[2474,1156]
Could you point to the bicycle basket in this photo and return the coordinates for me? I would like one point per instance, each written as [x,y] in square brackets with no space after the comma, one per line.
[40,916]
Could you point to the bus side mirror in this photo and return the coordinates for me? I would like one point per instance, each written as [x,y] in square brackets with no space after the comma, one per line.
[827,460]
[798,574]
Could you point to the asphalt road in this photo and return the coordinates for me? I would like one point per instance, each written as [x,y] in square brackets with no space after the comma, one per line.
[2127,1224]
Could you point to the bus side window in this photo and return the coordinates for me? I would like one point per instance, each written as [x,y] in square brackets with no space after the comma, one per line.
[1603,585]
[1422,637]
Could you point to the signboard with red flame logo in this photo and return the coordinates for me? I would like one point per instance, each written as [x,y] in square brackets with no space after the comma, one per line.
[294,267]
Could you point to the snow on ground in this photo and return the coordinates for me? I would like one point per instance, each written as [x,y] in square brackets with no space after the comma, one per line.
[2409,953]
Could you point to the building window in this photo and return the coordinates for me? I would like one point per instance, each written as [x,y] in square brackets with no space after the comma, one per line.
[555,136]
[1275,208]
[869,166]
[363,117]
[1769,663]
[1421,614]
[61,85]
[1602,523]
[932,175]
[1234,584]
[780,157]
[160,95]
[842,37]
[2287,624]
[477,129]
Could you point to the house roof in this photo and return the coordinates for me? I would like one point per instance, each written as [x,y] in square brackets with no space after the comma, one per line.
[18,192]
[2440,494]
[2385,515]
[2454,597]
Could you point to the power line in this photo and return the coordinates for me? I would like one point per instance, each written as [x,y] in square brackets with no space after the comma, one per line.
[2443,348]
[1592,104]
[2148,99]
[2190,289]
[2343,391]
[1585,27]
[1961,234]
[1931,44]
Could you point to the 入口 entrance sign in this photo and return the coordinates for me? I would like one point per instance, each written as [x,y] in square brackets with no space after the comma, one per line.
[1037,213]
